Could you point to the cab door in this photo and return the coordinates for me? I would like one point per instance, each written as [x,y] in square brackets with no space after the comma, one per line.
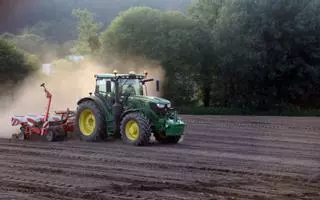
[104,91]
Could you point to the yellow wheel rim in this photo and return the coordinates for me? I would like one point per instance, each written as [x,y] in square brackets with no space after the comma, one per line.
[132,130]
[87,122]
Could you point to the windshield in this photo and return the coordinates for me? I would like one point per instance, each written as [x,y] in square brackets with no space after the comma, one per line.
[130,86]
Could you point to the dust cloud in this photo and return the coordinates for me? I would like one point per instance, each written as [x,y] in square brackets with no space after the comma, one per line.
[68,82]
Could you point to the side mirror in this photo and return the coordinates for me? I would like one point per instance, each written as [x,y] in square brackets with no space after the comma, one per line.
[108,86]
[146,80]
[158,85]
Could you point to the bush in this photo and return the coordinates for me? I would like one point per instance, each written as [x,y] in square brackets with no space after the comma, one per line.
[238,111]
[15,65]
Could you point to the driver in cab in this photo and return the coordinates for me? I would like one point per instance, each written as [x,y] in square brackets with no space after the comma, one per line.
[129,90]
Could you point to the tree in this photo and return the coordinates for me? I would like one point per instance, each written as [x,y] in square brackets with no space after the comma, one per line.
[14,64]
[35,44]
[88,38]
[134,32]
[167,37]
[206,13]
[269,52]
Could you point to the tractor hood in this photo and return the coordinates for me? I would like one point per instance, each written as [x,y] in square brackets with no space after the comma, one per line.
[150,99]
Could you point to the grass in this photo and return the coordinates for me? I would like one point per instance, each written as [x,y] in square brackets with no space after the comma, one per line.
[236,111]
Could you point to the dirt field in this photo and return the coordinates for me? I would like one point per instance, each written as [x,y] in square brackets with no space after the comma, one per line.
[219,158]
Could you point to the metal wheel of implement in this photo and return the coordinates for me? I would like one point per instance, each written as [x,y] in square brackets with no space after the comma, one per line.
[50,136]
[21,136]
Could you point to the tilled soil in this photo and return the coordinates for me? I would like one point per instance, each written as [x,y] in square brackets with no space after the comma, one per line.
[220,157]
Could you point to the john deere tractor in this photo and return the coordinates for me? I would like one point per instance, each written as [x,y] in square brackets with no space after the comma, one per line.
[118,108]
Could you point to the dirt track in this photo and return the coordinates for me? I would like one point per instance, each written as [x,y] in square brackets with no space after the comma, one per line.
[220,158]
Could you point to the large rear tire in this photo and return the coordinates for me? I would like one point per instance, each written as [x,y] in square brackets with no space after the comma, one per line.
[135,129]
[90,122]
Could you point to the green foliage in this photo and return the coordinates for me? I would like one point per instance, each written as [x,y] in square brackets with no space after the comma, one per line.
[130,33]
[88,39]
[32,61]
[245,54]
[206,12]
[268,53]
[14,64]
[169,37]
[37,45]
[239,111]
[212,111]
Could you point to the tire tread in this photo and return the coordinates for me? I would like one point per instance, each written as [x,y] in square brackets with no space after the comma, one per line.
[144,125]
[100,132]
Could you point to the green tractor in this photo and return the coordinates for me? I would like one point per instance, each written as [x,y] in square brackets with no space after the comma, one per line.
[119,109]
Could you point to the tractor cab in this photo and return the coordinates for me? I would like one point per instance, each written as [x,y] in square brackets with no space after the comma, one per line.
[127,84]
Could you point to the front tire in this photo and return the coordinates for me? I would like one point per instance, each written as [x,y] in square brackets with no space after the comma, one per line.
[135,129]
[90,122]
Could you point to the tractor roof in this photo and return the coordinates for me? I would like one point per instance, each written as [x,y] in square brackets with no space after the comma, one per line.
[124,76]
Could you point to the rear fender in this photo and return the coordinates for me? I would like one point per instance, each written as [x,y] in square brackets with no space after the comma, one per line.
[97,100]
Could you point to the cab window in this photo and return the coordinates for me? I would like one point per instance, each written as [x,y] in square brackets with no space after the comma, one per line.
[101,86]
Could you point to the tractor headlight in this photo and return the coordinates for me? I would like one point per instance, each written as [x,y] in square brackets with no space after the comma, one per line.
[158,108]
[160,105]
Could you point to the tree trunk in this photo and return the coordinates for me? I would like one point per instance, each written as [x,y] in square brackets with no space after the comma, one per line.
[206,95]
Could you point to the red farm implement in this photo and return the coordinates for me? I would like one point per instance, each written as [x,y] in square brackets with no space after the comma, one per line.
[53,127]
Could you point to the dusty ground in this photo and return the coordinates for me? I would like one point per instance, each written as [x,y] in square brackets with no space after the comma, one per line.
[220,158]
